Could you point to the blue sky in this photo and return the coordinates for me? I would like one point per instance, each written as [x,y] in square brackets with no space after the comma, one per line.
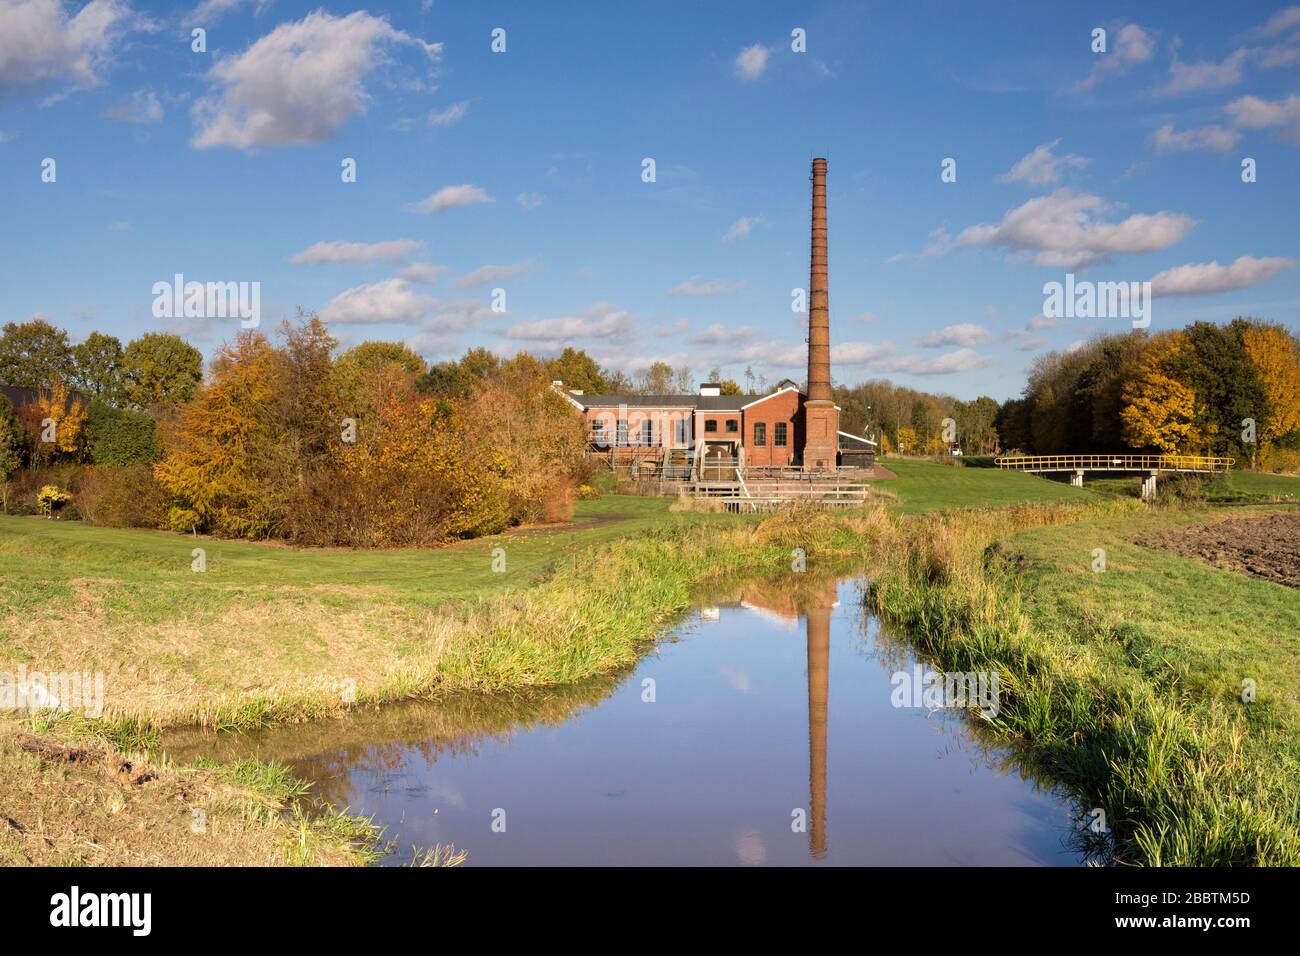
[522,171]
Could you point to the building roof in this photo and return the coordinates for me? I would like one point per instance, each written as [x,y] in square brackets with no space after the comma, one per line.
[702,403]
[855,442]
[20,395]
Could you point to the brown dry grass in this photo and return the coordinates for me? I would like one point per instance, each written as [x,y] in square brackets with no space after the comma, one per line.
[88,805]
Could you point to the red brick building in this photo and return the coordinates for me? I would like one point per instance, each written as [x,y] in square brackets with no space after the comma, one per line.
[710,430]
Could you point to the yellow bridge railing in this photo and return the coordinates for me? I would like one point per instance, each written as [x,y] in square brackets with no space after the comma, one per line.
[1114,463]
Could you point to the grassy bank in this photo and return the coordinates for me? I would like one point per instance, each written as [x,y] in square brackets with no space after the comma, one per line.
[1124,685]
[272,634]
[924,485]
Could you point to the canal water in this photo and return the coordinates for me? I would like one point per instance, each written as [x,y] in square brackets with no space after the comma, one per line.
[763,731]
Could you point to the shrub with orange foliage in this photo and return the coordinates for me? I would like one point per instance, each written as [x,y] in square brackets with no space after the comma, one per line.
[281,443]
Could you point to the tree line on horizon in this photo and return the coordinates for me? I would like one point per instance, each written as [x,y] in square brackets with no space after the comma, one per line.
[1230,390]
[287,437]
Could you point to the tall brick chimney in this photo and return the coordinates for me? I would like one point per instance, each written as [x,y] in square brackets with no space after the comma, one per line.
[821,419]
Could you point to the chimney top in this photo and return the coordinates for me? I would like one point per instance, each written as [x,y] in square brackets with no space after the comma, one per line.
[710,388]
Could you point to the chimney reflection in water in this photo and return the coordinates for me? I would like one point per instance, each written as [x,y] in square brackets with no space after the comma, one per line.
[819,668]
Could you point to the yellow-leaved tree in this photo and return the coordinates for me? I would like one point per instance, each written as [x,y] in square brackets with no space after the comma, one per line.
[1159,411]
[217,443]
[55,422]
[1276,356]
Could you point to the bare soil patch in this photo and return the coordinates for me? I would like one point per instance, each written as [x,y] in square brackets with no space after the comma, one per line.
[1262,546]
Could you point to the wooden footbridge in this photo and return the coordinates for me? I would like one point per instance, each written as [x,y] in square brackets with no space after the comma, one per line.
[1147,465]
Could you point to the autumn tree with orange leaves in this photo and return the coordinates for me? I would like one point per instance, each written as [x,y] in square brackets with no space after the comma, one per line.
[285,441]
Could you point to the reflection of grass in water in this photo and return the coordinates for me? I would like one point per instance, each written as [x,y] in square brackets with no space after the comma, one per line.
[327,754]
[894,652]
[438,855]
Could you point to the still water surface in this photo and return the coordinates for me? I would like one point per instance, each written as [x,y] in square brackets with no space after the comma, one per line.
[770,709]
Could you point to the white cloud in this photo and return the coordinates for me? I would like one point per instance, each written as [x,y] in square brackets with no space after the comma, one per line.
[142,106]
[297,85]
[719,334]
[1285,19]
[1206,278]
[391,300]
[693,286]
[950,363]
[1255,113]
[449,197]
[351,253]
[490,273]
[529,201]
[752,61]
[742,228]
[210,11]
[422,272]
[432,342]
[456,315]
[1041,166]
[1064,230]
[119,226]
[1208,75]
[965,334]
[1286,52]
[40,44]
[1281,54]
[884,357]
[1041,321]
[870,356]
[1218,139]
[452,115]
[600,321]
[1131,46]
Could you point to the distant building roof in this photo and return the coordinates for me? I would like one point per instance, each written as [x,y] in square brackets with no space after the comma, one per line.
[855,442]
[19,396]
[702,403]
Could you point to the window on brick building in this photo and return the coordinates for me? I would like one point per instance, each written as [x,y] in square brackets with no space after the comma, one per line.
[778,438]
[733,425]
[710,425]
[760,434]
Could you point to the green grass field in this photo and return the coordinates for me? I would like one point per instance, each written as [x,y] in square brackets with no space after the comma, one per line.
[924,485]
[1208,628]
[1236,486]
[36,553]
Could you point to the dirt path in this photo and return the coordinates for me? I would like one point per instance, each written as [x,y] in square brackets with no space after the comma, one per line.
[1264,546]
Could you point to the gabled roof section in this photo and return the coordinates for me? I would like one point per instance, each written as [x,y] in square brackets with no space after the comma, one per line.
[779,391]
[855,441]
[637,401]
